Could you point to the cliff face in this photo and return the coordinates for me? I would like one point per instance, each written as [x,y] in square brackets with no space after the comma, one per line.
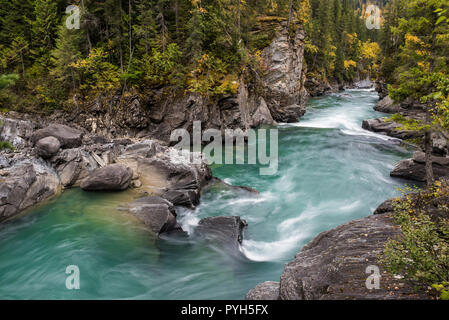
[283,85]
[278,96]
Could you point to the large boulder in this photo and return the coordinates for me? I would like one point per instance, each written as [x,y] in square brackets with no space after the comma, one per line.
[415,169]
[265,291]
[224,230]
[290,114]
[387,105]
[67,136]
[163,172]
[183,198]
[335,265]
[156,213]
[114,177]
[24,185]
[47,147]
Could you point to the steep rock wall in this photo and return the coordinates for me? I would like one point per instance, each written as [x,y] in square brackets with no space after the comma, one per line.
[279,96]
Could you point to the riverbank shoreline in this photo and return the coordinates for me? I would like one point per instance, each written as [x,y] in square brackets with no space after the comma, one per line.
[334,265]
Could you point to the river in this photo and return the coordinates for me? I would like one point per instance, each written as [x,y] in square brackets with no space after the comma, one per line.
[331,171]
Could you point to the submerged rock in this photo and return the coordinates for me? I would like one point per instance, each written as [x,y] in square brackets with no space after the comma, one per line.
[156,213]
[265,291]
[47,147]
[114,177]
[67,136]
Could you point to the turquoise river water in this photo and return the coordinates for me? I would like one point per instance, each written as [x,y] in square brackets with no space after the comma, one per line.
[331,171]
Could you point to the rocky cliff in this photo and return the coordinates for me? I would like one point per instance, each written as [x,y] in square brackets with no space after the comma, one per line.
[278,96]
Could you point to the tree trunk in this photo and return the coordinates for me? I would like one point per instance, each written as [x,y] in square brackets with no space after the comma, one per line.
[428,149]
[177,18]
[23,64]
[239,19]
[130,30]
[430,178]
[290,14]
[89,43]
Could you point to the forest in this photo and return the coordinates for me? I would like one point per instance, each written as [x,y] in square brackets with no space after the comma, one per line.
[201,46]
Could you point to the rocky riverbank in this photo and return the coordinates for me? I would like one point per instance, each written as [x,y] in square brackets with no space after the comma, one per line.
[409,110]
[334,266]
[49,159]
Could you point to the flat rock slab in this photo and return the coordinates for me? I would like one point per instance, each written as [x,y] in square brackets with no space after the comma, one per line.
[67,136]
[114,177]
[389,128]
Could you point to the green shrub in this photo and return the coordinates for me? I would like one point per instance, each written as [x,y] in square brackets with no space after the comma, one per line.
[421,253]
[5,145]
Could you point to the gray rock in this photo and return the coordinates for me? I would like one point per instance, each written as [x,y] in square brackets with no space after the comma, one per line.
[387,105]
[225,230]
[381,88]
[183,198]
[156,213]
[389,128]
[317,87]
[17,132]
[262,115]
[334,265]
[73,166]
[386,207]
[115,177]
[4,162]
[415,170]
[47,147]
[24,185]
[283,85]
[67,136]
[420,157]
[265,291]
[162,173]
